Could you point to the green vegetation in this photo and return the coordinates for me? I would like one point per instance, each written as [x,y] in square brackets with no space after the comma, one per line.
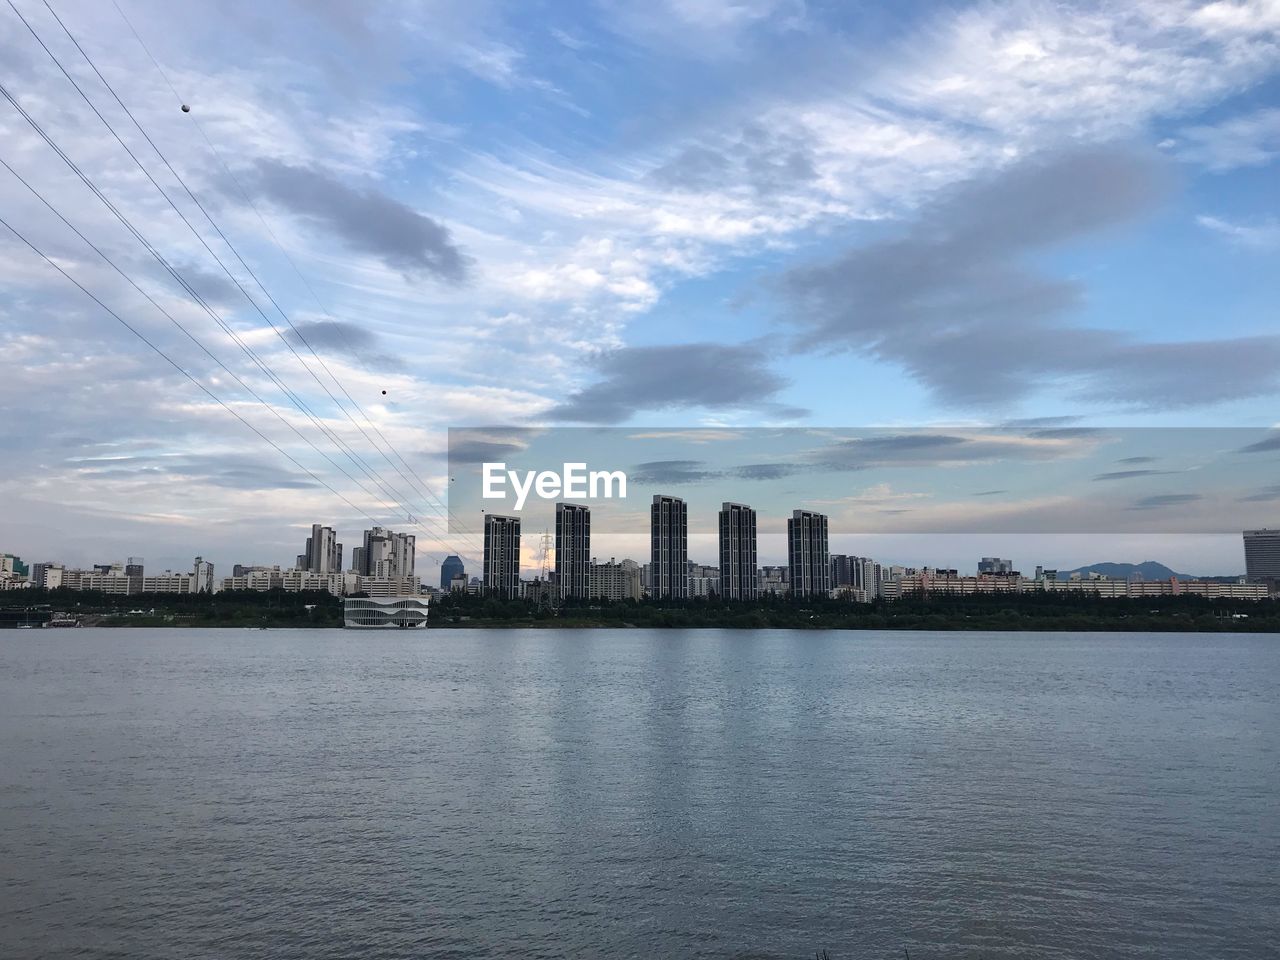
[232,608]
[1011,612]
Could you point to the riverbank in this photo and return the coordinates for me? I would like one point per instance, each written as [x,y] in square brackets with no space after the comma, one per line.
[250,610]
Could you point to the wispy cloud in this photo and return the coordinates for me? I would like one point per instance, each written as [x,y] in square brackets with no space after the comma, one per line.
[1259,236]
[1249,140]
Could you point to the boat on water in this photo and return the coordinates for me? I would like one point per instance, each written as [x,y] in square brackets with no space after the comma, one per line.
[385,613]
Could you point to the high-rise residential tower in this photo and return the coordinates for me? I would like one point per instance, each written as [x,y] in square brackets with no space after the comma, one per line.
[573,550]
[738,576]
[323,552]
[807,556]
[502,555]
[668,548]
[384,553]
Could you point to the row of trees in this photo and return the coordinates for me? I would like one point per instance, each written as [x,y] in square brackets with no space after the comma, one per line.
[1047,611]
[231,608]
[1032,611]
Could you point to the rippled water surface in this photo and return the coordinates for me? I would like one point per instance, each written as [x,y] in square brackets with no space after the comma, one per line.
[249,794]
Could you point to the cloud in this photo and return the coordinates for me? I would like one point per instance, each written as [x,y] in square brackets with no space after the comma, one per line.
[766,471]
[671,472]
[342,339]
[366,220]
[1258,236]
[1265,445]
[228,470]
[1249,140]
[1129,474]
[710,375]
[699,28]
[954,303]
[767,162]
[1165,500]
[210,285]
[471,450]
[1137,460]
[1266,495]
[922,448]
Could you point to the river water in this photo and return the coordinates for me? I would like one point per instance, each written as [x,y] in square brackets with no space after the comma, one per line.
[632,793]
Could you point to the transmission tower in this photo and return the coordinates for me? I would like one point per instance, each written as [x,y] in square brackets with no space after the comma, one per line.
[545,548]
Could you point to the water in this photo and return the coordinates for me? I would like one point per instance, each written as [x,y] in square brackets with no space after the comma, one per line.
[247,794]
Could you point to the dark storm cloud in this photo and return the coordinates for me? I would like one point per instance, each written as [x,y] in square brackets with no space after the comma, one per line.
[711,375]
[671,472]
[1165,500]
[764,161]
[1128,474]
[366,220]
[955,302]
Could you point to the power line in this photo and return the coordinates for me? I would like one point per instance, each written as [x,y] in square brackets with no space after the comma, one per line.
[150,299]
[57,62]
[177,366]
[422,486]
[244,194]
[345,448]
[301,404]
[266,369]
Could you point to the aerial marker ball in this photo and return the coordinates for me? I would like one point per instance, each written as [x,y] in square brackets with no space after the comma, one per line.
[185,108]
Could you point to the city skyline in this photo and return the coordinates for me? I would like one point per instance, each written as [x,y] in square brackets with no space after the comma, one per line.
[902,224]
[813,566]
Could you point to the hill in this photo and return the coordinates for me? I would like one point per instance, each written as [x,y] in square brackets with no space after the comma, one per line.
[1148,570]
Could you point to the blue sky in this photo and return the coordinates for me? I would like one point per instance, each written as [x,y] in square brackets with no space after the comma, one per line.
[818,214]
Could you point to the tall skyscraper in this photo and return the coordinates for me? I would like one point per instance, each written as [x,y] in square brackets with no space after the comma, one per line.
[502,555]
[573,550]
[323,552]
[1262,556]
[807,556]
[384,553]
[669,548]
[450,568]
[738,577]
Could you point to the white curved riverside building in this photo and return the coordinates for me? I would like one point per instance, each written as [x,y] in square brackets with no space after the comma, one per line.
[385,613]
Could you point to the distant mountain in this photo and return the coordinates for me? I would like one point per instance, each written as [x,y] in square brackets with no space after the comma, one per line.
[1148,570]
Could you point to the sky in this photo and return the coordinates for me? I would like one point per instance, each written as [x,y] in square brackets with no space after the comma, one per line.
[379,221]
